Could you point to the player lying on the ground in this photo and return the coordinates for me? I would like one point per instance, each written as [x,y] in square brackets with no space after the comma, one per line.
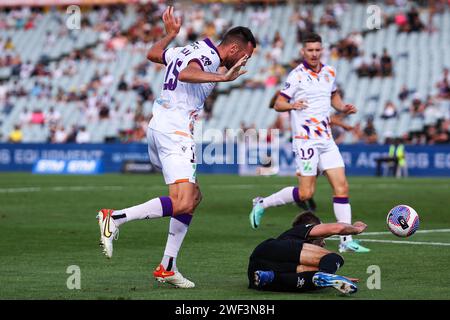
[191,74]
[309,94]
[296,261]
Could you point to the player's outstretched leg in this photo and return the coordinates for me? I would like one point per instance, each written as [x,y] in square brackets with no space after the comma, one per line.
[342,284]
[187,197]
[284,282]
[167,271]
[302,282]
[108,231]
[280,198]
[342,208]
[110,220]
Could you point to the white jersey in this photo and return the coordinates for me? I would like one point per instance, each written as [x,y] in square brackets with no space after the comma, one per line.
[179,104]
[316,88]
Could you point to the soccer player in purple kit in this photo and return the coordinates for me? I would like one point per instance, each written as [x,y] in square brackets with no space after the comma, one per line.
[191,74]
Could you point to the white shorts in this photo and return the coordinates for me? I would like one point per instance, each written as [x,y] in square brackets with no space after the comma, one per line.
[314,154]
[174,155]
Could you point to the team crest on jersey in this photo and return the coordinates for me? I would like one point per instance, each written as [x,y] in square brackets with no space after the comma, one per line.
[327,78]
[287,85]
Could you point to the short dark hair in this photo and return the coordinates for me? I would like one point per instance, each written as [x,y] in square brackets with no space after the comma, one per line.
[241,34]
[312,37]
[306,217]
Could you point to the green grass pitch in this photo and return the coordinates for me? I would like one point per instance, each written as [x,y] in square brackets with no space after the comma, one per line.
[47,223]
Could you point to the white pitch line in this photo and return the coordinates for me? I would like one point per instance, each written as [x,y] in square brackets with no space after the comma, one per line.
[419,231]
[59,188]
[400,242]
[16,190]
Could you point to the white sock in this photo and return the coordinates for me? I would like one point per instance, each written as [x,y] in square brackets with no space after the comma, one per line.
[343,213]
[177,232]
[149,210]
[279,198]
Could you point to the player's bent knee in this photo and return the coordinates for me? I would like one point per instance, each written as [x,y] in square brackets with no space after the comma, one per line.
[331,262]
[184,206]
[341,190]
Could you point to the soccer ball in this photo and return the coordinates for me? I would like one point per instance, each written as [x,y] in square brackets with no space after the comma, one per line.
[403,221]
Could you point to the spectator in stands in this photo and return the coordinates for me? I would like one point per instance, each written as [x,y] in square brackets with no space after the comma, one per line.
[339,127]
[9,45]
[329,19]
[103,113]
[258,80]
[209,30]
[259,17]
[95,81]
[139,131]
[129,115]
[404,93]
[386,64]
[369,133]
[72,135]
[390,111]
[16,135]
[50,39]
[276,52]
[4,91]
[38,117]
[36,90]
[145,92]
[444,85]
[361,65]
[26,69]
[60,135]
[414,22]
[437,134]
[107,79]
[52,117]
[274,75]
[374,66]
[417,107]
[401,20]
[349,46]
[219,23]
[83,136]
[432,110]
[104,99]
[123,85]
[8,106]
[115,114]
[25,117]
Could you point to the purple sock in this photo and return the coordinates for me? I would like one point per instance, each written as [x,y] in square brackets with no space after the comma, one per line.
[167,207]
[184,218]
[296,195]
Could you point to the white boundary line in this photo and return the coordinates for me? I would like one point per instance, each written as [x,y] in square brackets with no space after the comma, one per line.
[419,231]
[401,242]
[59,188]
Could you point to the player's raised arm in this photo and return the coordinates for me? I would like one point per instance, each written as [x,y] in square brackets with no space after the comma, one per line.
[193,73]
[172,26]
[331,229]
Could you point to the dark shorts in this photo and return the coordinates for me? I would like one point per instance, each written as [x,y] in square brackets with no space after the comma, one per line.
[281,256]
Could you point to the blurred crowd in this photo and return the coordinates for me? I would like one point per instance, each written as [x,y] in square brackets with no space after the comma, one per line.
[96,104]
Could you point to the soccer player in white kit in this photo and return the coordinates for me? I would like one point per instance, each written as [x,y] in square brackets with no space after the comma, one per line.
[308,94]
[191,73]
